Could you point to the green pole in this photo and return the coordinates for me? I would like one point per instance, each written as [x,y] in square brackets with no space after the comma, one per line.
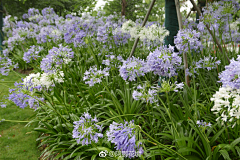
[171,21]
[171,24]
[201,4]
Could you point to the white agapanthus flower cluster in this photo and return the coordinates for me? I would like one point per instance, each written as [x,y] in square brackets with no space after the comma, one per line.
[227,105]
[44,80]
[235,25]
[150,33]
[153,32]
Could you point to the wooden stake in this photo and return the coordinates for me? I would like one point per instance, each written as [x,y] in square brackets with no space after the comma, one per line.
[214,38]
[143,24]
[184,54]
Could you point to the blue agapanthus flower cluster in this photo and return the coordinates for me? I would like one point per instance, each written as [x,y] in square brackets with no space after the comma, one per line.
[230,76]
[75,35]
[189,24]
[132,68]
[113,61]
[125,137]
[56,57]
[48,27]
[48,34]
[32,53]
[8,26]
[208,63]
[33,12]
[219,15]
[48,11]
[21,99]
[164,61]
[203,124]
[6,65]
[93,75]
[220,12]
[145,93]
[2,105]
[86,130]
[188,39]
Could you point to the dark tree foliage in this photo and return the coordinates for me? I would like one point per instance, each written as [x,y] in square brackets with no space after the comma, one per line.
[61,7]
[134,9]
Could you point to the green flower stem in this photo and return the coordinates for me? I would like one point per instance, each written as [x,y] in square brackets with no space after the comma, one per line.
[51,108]
[16,121]
[118,107]
[122,116]
[168,102]
[201,78]
[17,74]
[5,85]
[194,85]
[97,149]
[164,146]
[169,115]
[192,118]
[7,82]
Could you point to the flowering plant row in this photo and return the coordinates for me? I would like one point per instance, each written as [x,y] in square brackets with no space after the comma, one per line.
[80,68]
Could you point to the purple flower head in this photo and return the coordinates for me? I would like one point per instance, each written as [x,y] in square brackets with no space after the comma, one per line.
[164,61]
[188,39]
[113,61]
[125,138]
[218,16]
[6,65]
[33,12]
[86,130]
[47,11]
[56,57]
[201,27]
[93,75]
[208,63]
[69,16]
[190,24]
[3,105]
[230,76]
[49,33]
[203,124]
[32,53]
[21,99]
[25,16]
[133,68]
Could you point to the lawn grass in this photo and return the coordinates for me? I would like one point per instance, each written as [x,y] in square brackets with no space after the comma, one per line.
[16,141]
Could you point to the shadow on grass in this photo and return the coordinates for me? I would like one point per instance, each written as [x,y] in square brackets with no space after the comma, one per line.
[16,140]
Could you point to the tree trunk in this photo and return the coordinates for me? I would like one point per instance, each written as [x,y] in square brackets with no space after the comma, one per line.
[124,5]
